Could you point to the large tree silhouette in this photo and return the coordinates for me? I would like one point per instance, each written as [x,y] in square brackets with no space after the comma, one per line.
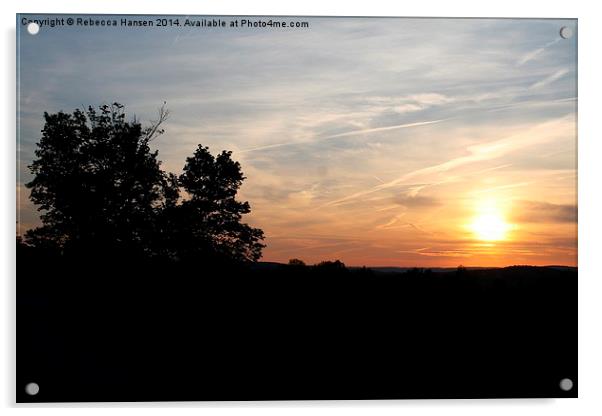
[101,189]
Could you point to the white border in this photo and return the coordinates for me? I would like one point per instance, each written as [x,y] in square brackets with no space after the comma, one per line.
[590,278]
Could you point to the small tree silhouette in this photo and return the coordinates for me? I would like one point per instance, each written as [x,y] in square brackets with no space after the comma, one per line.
[336,266]
[212,214]
[296,263]
[101,190]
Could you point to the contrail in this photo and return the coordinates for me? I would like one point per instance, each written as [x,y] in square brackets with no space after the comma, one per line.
[376,129]
[549,79]
[476,153]
[348,133]
[535,53]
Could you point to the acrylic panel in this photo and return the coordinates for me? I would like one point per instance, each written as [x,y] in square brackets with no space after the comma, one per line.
[295,208]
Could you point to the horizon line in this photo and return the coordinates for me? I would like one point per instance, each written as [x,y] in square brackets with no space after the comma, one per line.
[428,267]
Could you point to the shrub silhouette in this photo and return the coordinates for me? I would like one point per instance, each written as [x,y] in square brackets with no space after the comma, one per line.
[296,263]
[331,267]
[101,189]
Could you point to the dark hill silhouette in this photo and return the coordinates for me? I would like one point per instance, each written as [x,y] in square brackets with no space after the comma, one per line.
[177,331]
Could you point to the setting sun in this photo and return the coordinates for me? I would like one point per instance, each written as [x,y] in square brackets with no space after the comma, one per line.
[489,222]
[490,227]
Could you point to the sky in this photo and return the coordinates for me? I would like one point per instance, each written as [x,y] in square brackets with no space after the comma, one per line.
[375,141]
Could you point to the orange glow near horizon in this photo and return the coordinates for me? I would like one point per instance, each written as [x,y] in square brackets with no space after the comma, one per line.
[474,211]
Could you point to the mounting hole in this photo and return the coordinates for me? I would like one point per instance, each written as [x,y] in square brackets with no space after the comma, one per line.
[566,32]
[566,384]
[32,389]
[33,28]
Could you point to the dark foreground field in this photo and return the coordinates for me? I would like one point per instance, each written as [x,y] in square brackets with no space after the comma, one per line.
[109,331]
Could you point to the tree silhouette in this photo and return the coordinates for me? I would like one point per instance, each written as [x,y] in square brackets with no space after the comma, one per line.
[209,220]
[101,189]
[333,267]
[96,180]
[296,263]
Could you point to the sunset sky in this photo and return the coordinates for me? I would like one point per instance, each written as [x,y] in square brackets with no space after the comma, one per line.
[379,142]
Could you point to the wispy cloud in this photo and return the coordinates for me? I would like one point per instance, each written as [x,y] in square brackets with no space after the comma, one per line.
[417,201]
[545,212]
[410,103]
[446,253]
[498,188]
[477,153]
